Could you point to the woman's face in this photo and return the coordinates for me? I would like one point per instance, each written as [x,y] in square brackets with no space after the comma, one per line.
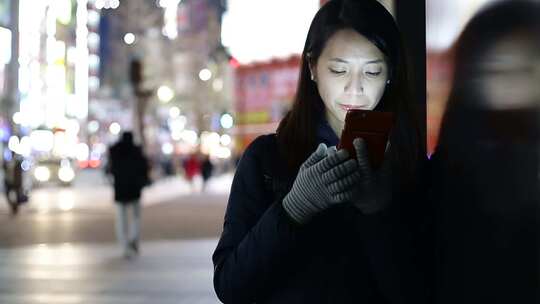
[351,73]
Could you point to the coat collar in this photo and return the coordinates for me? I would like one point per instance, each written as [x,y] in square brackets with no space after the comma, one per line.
[325,134]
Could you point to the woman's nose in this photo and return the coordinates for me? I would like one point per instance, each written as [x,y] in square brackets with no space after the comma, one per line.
[355,85]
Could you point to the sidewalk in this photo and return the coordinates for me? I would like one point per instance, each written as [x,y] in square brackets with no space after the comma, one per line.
[166,272]
[93,193]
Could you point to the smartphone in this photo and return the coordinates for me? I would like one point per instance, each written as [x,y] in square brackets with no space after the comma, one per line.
[373,127]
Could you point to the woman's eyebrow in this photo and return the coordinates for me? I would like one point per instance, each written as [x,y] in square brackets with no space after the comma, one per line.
[341,60]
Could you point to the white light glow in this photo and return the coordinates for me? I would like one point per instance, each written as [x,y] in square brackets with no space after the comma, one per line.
[445,21]
[227,121]
[99,4]
[223,152]
[115,128]
[225,140]
[94,61]
[177,124]
[66,174]
[129,38]
[42,140]
[93,83]
[25,146]
[82,152]
[5,39]
[42,174]
[176,135]
[63,11]
[18,118]
[217,85]
[190,137]
[72,127]
[167,148]
[205,74]
[71,55]
[13,143]
[214,139]
[170,28]
[115,4]
[251,32]
[93,40]
[165,94]
[82,61]
[93,18]
[93,126]
[66,205]
[174,112]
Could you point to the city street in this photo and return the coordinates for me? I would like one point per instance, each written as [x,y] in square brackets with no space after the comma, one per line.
[61,247]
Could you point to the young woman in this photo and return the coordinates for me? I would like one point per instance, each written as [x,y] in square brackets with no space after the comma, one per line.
[309,224]
[486,165]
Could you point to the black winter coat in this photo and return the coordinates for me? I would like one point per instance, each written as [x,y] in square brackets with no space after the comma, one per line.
[342,256]
[129,168]
[486,200]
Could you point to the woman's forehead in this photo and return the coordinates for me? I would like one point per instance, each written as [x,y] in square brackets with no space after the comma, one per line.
[348,44]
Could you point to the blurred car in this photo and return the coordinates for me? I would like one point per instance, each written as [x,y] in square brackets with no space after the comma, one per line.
[53,171]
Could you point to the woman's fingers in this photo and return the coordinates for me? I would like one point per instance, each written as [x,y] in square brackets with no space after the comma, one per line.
[316,156]
[332,159]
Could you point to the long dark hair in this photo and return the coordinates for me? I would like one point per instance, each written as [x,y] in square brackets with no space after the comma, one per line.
[464,118]
[296,133]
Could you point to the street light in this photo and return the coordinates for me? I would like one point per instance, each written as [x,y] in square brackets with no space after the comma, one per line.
[226,121]
[99,4]
[107,4]
[165,94]
[93,126]
[205,74]
[115,128]
[115,4]
[129,38]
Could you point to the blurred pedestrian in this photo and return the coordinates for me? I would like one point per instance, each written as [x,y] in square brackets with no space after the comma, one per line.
[192,168]
[486,165]
[13,182]
[129,168]
[307,223]
[206,170]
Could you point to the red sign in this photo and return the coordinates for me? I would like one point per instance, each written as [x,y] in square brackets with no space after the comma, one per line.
[264,93]
[263,86]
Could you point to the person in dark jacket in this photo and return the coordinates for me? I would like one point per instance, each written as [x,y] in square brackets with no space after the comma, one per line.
[486,166]
[307,223]
[206,170]
[129,168]
[13,182]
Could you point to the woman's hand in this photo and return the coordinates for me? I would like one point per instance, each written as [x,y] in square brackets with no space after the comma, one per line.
[374,188]
[325,179]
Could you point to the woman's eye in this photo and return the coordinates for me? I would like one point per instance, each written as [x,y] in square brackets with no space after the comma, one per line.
[373,70]
[373,73]
[336,71]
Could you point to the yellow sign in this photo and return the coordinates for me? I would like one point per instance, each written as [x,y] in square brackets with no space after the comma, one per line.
[253,118]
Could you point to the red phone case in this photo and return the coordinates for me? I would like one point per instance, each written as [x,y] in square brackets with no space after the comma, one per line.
[373,127]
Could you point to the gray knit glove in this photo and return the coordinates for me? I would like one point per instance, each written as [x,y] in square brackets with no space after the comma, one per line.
[374,191]
[324,179]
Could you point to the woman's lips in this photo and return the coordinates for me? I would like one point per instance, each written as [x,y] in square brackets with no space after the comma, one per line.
[348,107]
